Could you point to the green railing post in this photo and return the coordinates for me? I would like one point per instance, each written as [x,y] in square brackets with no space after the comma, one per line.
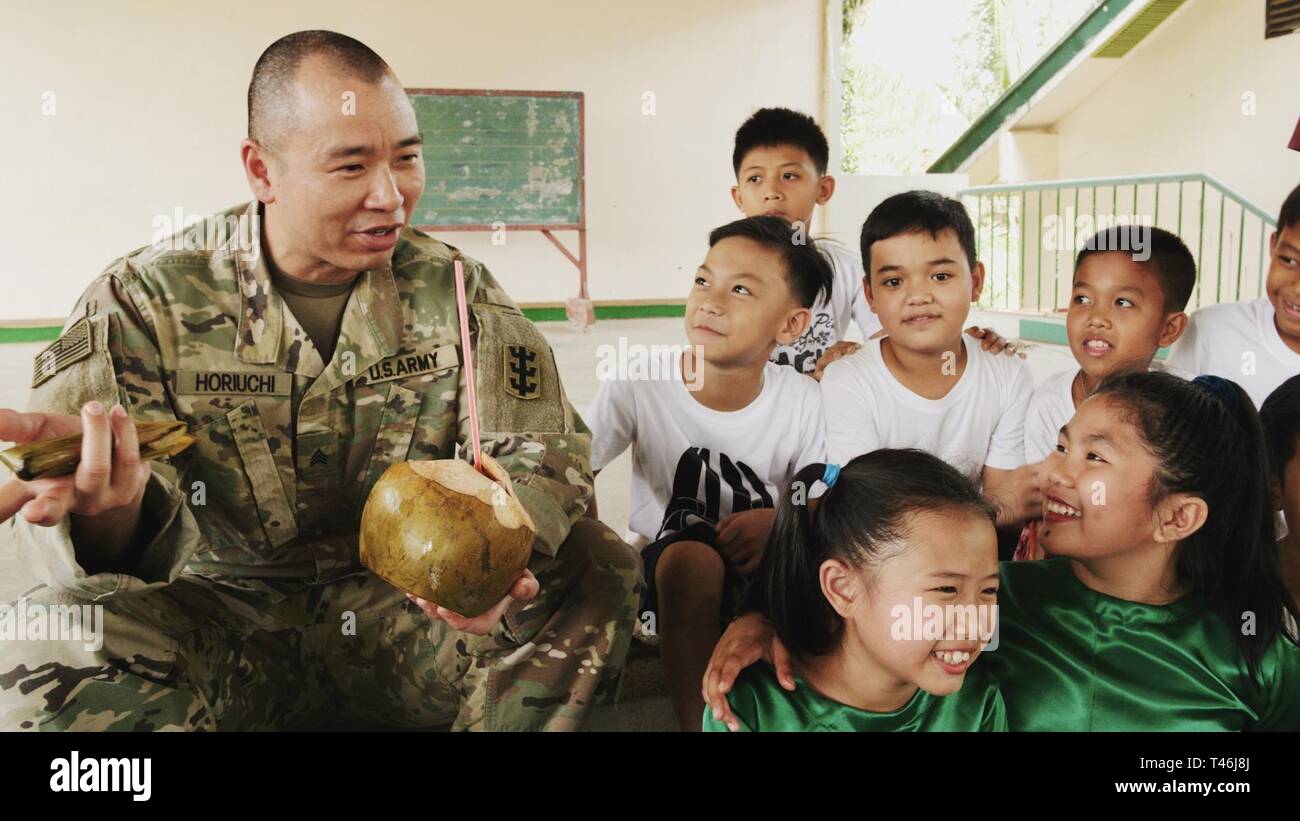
[1038,268]
[1022,247]
[1200,247]
[1218,252]
[1241,247]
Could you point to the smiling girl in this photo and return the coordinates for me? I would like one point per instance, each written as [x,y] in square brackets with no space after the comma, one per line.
[899,540]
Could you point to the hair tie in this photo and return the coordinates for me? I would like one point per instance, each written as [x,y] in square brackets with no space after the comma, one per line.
[1221,389]
[830,474]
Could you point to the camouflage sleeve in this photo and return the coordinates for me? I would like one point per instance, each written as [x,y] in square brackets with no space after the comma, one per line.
[526,421]
[108,352]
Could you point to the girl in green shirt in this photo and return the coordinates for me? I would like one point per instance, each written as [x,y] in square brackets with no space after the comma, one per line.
[882,594]
[1164,607]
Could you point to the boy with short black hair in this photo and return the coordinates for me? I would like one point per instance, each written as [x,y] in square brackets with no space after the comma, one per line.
[925,385]
[1131,286]
[709,464]
[1257,343]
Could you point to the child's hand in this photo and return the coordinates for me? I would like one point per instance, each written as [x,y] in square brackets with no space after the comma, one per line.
[748,639]
[834,352]
[1017,494]
[991,341]
[741,537]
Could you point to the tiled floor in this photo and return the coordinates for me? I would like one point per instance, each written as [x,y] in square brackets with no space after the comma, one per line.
[644,705]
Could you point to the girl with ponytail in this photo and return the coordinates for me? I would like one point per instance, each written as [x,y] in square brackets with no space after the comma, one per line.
[884,592]
[1164,606]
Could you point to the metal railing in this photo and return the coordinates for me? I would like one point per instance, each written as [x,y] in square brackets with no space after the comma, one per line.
[1032,270]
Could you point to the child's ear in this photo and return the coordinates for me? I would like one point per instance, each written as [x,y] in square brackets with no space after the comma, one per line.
[841,586]
[735,197]
[976,281]
[866,291]
[825,189]
[1173,328]
[1179,516]
[796,322]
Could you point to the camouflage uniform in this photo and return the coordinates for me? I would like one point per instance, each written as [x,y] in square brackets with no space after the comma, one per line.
[249,607]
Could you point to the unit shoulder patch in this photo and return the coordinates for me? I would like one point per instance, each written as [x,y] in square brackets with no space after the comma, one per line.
[523,379]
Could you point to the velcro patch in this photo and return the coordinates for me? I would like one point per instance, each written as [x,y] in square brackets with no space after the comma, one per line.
[523,379]
[232,383]
[412,364]
[73,346]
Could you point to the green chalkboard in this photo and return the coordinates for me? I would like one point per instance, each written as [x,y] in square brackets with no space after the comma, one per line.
[512,157]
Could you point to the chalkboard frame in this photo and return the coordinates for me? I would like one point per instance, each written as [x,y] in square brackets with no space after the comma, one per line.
[579,308]
[581,224]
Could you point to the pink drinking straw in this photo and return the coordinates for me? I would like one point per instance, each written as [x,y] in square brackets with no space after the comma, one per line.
[471,390]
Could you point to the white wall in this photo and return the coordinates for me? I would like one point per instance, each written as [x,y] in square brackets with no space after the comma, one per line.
[1177,105]
[150,109]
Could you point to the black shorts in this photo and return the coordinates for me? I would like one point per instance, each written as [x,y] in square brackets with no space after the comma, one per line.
[699,532]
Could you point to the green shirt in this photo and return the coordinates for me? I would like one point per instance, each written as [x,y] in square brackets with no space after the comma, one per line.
[760,704]
[1071,658]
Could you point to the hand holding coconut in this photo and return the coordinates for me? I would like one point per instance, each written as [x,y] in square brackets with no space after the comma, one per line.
[526,587]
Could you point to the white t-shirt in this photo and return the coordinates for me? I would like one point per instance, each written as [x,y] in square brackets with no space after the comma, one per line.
[1052,405]
[830,318]
[693,464]
[1237,341]
[981,421]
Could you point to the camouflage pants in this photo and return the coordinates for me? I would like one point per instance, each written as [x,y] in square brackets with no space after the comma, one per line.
[354,653]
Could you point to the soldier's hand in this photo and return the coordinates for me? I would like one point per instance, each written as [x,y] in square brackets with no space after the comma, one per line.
[526,587]
[109,483]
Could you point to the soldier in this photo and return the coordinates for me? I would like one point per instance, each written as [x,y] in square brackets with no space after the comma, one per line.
[306,357]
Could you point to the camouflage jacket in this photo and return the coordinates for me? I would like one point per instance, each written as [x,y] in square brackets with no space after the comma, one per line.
[289,446]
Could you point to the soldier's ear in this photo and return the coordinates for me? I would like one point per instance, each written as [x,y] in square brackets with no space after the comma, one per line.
[254,158]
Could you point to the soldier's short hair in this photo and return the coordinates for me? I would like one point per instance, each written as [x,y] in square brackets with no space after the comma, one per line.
[270,96]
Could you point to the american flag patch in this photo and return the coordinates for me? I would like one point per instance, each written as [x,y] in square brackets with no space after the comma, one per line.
[73,346]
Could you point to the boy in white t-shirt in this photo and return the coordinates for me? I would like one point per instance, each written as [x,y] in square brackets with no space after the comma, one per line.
[780,160]
[1255,344]
[1131,286]
[925,385]
[715,447]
